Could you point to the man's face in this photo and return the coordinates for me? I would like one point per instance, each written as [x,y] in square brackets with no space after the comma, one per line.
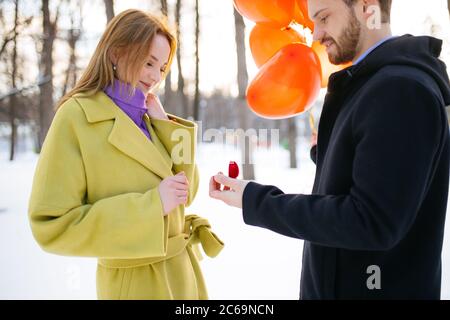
[337,27]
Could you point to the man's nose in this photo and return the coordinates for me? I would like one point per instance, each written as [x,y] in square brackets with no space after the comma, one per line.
[318,34]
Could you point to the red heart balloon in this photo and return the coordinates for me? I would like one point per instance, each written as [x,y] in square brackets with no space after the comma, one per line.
[301,14]
[274,13]
[287,84]
[266,41]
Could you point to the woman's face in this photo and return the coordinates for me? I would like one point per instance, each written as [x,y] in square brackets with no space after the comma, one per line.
[156,64]
[154,67]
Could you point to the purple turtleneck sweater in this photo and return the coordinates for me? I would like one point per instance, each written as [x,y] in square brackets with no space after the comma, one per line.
[133,106]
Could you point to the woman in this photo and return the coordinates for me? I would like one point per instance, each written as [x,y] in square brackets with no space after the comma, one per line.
[110,182]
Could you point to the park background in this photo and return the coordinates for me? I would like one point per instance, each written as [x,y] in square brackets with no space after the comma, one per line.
[44,46]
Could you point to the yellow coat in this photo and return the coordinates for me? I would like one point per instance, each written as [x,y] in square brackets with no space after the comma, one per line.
[95,194]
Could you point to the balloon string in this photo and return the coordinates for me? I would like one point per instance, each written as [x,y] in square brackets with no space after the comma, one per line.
[311,123]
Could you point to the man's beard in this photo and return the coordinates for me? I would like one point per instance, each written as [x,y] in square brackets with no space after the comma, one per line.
[348,43]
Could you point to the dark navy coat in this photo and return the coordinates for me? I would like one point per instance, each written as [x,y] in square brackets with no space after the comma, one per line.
[381,186]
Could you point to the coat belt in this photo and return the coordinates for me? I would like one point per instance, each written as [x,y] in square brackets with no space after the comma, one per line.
[197,230]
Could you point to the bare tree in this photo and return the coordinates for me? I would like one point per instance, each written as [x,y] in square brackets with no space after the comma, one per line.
[292,134]
[168,94]
[74,34]
[46,112]
[13,98]
[180,89]
[242,77]
[164,8]
[14,105]
[8,36]
[109,7]
[196,104]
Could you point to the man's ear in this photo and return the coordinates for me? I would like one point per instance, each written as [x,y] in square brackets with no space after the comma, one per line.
[368,8]
[371,14]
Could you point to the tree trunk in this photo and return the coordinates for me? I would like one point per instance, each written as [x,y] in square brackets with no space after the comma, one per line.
[196,104]
[6,39]
[180,86]
[46,112]
[248,170]
[292,133]
[168,94]
[164,8]
[71,73]
[13,98]
[109,7]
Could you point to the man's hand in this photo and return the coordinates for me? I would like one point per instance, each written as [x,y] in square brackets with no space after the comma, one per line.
[313,139]
[231,197]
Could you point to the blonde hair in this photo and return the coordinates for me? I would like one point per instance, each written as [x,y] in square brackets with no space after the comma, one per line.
[130,35]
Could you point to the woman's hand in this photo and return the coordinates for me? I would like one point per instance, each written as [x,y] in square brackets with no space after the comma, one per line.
[155,109]
[173,192]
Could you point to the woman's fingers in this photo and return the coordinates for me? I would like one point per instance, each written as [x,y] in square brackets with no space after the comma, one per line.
[180,193]
[181,178]
[179,186]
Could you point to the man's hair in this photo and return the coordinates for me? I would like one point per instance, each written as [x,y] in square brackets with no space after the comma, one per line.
[385,7]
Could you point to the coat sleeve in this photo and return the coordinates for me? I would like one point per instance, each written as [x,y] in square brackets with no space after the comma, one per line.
[129,225]
[179,137]
[397,129]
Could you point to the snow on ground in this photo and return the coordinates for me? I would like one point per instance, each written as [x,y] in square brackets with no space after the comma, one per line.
[255,263]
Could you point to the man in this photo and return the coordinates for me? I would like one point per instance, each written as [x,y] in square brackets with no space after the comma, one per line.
[374,224]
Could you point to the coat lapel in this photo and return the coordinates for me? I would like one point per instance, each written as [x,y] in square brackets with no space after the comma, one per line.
[125,135]
[157,142]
